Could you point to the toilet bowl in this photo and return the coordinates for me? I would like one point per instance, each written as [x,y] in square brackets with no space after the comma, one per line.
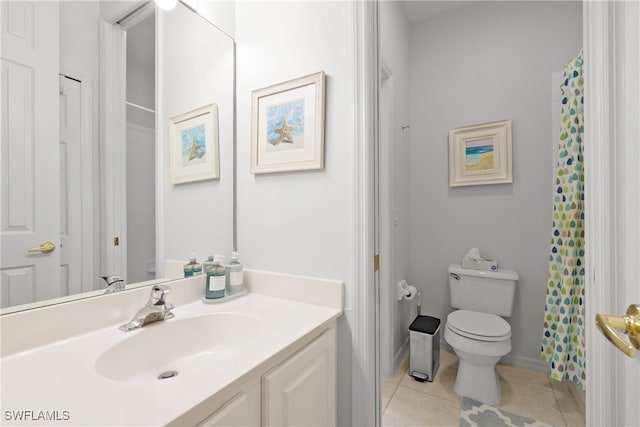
[476,332]
[479,340]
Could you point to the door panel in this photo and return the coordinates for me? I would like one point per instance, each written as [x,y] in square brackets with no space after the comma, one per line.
[302,390]
[18,285]
[17,153]
[30,133]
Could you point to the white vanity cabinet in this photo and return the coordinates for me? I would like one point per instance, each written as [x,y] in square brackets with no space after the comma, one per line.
[301,391]
[237,405]
[266,359]
[296,389]
[241,410]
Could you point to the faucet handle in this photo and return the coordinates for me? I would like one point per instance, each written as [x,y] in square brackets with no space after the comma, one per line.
[110,280]
[159,294]
[114,284]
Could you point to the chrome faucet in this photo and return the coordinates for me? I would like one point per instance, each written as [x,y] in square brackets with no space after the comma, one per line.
[114,284]
[157,308]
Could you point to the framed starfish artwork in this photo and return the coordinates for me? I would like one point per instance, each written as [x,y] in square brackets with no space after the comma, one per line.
[193,145]
[288,126]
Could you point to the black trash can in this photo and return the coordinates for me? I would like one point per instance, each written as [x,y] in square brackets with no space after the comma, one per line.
[424,348]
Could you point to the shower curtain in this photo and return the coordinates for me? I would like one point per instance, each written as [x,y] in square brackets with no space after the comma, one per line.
[563,342]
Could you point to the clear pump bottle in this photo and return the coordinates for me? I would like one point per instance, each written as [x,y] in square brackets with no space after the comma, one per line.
[234,280]
[215,280]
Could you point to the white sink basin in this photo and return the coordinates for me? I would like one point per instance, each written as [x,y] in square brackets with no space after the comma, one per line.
[180,345]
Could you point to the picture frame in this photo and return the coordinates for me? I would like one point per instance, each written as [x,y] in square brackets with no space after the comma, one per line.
[287,126]
[480,154]
[193,145]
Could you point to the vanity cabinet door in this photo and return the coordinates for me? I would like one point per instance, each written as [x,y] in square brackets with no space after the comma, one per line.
[302,390]
[242,410]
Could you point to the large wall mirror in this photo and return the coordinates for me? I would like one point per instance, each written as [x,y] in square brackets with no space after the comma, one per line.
[89,89]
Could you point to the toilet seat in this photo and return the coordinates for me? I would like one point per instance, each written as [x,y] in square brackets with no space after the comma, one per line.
[479,326]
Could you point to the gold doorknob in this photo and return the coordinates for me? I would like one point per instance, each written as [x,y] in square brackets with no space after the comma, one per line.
[45,248]
[630,324]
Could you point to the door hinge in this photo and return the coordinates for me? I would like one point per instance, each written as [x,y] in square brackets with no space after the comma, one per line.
[376,262]
[116,241]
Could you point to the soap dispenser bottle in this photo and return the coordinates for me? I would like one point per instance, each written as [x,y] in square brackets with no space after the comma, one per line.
[192,268]
[206,266]
[215,280]
[234,281]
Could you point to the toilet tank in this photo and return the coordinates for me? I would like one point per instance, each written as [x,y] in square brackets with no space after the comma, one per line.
[484,291]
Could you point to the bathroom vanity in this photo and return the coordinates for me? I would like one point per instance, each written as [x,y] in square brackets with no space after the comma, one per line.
[268,358]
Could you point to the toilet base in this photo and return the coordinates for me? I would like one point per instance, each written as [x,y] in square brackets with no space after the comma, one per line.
[478,382]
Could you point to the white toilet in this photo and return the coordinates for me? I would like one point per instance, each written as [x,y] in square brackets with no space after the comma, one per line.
[477,333]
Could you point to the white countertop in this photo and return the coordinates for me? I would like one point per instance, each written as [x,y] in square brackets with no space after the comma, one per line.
[62,376]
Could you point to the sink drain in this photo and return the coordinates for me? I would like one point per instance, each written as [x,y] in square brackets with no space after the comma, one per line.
[168,374]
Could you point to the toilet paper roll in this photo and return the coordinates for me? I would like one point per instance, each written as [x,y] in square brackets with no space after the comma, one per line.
[412,291]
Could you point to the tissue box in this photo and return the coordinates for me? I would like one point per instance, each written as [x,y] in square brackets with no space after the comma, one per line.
[483,264]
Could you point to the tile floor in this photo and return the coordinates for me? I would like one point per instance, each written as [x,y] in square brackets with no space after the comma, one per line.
[406,402]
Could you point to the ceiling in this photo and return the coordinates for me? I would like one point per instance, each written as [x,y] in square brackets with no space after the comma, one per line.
[417,10]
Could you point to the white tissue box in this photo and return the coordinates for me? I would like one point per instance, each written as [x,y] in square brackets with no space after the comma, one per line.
[480,264]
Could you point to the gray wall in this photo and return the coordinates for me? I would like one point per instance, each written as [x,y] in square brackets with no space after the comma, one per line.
[195,216]
[394,181]
[483,62]
[301,222]
[141,173]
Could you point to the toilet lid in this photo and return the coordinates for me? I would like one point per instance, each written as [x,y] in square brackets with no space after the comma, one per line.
[479,326]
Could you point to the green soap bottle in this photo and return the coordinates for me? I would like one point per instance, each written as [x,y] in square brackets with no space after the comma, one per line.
[206,266]
[192,268]
[215,280]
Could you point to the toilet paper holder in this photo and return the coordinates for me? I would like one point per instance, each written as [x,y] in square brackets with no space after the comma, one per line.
[404,290]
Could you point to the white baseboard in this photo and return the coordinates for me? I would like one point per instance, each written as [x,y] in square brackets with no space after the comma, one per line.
[400,354]
[526,362]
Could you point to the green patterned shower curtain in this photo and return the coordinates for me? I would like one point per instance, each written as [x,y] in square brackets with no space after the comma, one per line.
[563,344]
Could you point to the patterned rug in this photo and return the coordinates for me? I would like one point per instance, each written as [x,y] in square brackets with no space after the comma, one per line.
[474,413]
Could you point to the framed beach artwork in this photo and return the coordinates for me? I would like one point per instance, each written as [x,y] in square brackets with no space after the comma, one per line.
[480,154]
[288,126]
[193,145]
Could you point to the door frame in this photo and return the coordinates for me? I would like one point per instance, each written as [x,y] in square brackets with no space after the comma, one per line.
[599,33]
[113,137]
[365,355]
[611,48]
[598,135]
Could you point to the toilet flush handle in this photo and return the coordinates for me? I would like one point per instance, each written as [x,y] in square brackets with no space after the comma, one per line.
[455,276]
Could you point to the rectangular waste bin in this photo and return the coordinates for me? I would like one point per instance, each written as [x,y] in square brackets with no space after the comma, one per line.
[424,348]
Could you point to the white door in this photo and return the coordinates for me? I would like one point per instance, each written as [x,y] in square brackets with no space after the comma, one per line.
[612,199]
[30,140]
[71,180]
